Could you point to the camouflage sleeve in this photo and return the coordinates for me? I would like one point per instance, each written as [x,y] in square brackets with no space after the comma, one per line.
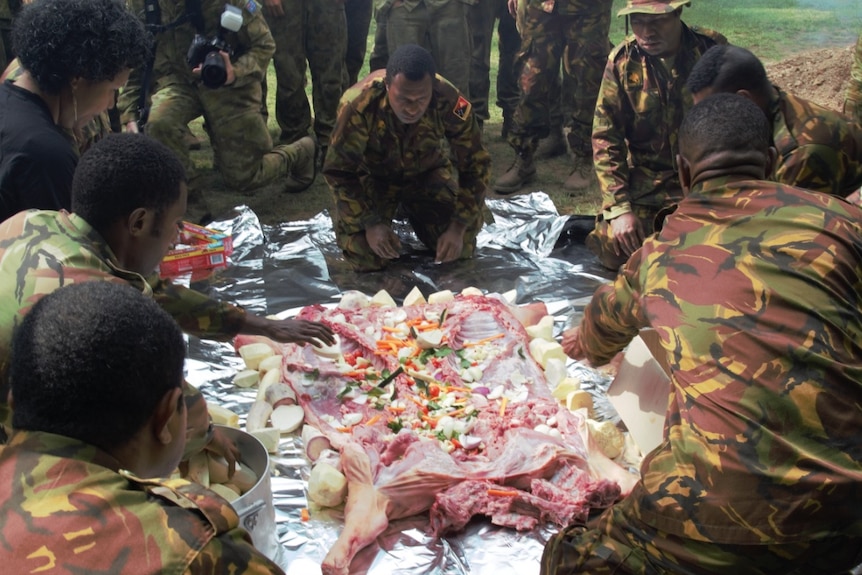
[471,159]
[232,552]
[342,169]
[196,313]
[853,99]
[614,315]
[820,168]
[257,40]
[610,152]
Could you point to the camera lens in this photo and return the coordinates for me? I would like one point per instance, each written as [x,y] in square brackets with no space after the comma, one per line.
[213,72]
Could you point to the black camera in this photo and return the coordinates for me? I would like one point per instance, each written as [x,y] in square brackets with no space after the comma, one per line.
[204,52]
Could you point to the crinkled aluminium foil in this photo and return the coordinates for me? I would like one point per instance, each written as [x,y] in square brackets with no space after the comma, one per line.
[277,270]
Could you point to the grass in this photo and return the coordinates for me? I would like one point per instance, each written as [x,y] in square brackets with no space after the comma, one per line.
[772,29]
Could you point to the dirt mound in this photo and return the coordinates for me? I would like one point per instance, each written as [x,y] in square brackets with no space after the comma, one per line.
[820,76]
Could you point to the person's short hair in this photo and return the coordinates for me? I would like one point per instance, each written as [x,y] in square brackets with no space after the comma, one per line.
[57,40]
[121,173]
[722,123]
[414,61]
[91,361]
[727,68]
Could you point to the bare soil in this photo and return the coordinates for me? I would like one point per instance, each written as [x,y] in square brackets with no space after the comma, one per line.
[818,75]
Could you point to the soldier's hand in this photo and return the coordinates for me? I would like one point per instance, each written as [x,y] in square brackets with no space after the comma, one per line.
[383,241]
[288,330]
[628,234]
[512,6]
[221,444]
[572,343]
[273,8]
[299,331]
[450,244]
[132,127]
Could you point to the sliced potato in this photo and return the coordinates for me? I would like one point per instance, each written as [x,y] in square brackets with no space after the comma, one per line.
[430,339]
[253,353]
[383,299]
[353,299]
[270,437]
[544,329]
[608,437]
[414,297]
[246,378]
[199,469]
[326,485]
[442,296]
[469,291]
[225,491]
[258,415]
[272,376]
[542,350]
[287,418]
[565,387]
[271,363]
[222,415]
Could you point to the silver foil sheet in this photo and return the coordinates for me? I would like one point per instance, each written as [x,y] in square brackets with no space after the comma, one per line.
[277,270]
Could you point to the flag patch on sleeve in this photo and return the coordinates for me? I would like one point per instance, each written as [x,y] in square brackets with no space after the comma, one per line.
[462,107]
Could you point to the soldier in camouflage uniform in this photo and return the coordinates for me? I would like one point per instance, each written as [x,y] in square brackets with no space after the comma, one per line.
[439,25]
[853,98]
[641,103]
[89,430]
[358,15]
[577,29]
[241,142]
[387,152]
[313,32]
[754,289]
[818,149]
[119,237]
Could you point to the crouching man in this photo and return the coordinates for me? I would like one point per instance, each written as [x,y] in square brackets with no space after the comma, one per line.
[97,372]
[386,152]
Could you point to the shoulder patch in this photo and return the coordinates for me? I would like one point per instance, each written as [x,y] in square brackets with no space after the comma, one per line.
[462,108]
[251,6]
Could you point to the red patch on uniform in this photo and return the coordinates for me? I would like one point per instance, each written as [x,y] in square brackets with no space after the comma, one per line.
[462,107]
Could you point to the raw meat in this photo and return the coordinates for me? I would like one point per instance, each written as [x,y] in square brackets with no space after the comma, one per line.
[450,429]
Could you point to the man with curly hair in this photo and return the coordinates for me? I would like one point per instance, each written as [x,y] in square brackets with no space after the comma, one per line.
[75,54]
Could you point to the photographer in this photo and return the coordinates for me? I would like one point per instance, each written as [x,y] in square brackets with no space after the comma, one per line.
[202,31]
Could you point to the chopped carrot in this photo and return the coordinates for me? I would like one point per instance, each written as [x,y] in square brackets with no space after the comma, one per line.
[464,389]
[503,493]
[390,329]
[344,429]
[436,418]
[373,420]
[356,373]
[395,410]
[303,514]
[484,340]
[503,403]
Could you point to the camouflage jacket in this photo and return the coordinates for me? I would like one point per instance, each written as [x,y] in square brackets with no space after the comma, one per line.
[41,251]
[68,509]
[368,140]
[638,114]
[761,433]
[818,149]
[252,46]
[570,7]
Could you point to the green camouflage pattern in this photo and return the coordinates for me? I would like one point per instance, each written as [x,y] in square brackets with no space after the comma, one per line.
[616,542]
[761,433]
[69,509]
[313,33]
[600,240]
[818,149]
[41,251]
[575,33]
[442,27]
[374,163]
[853,98]
[637,116]
[240,139]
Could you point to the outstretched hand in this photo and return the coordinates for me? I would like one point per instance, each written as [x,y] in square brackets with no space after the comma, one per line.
[628,234]
[572,343]
[299,331]
[383,241]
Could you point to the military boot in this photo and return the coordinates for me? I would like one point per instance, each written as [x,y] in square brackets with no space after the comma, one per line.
[302,169]
[520,173]
[584,174]
[552,146]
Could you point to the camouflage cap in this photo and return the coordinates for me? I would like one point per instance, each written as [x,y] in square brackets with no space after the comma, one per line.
[652,6]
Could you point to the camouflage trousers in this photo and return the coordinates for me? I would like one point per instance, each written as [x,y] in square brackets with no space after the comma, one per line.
[482,15]
[312,33]
[428,204]
[442,29]
[601,239]
[618,543]
[241,142]
[545,39]
[853,99]
[358,16]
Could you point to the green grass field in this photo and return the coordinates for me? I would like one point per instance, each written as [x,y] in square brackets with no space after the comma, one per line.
[773,29]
